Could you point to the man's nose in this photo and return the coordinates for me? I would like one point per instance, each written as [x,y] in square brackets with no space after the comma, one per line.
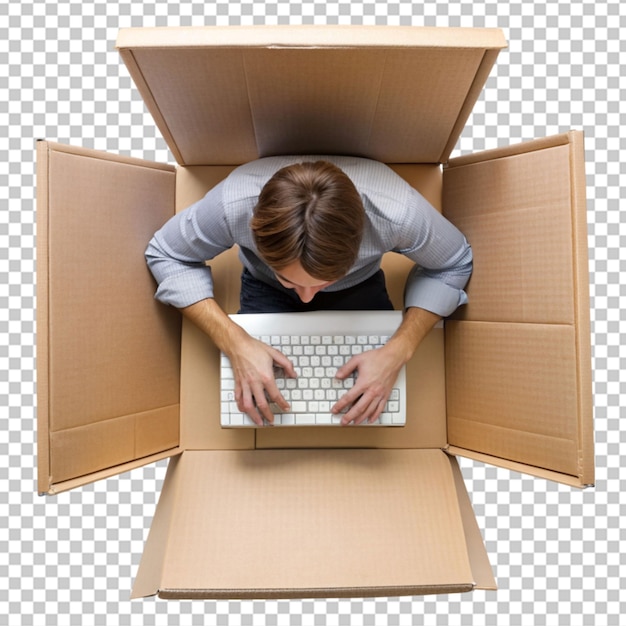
[306,294]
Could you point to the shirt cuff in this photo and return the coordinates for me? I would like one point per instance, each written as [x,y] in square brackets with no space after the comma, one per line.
[433,295]
[186,288]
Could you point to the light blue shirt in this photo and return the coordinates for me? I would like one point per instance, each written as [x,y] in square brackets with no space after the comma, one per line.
[398,219]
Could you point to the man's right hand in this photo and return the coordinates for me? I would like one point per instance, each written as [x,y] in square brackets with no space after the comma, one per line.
[252,360]
[253,365]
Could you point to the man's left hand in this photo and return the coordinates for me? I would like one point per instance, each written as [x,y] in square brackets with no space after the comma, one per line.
[377,371]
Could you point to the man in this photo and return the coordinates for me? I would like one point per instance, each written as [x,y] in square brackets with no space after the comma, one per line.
[312,232]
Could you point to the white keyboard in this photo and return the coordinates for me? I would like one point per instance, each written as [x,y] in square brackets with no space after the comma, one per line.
[316,358]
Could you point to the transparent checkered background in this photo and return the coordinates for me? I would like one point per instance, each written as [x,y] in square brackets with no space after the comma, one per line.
[558,553]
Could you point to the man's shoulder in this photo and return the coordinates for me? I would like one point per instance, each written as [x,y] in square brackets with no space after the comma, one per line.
[245,182]
[371,178]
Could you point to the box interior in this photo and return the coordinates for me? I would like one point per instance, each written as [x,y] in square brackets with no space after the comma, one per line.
[200,363]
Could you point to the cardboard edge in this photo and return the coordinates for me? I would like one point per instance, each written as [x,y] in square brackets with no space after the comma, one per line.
[106,156]
[146,94]
[150,571]
[301,594]
[45,480]
[582,306]
[537,472]
[309,36]
[53,489]
[42,319]
[477,553]
[508,151]
[480,79]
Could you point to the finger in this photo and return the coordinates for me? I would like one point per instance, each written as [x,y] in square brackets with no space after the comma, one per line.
[253,403]
[377,412]
[359,412]
[378,409]
[272,391]
[284,362]
[276,397]
[246,404]
[347,368]
[262,404]
[347,400]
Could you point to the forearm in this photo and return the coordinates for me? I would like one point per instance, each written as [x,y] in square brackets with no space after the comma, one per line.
[252,361]
[209,317]
[415,325]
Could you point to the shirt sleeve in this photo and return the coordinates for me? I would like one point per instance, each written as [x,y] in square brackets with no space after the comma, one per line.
[178,252]
[442,255]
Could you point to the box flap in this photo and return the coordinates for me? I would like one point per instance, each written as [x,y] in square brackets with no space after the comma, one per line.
[108,356]
[481,567]
[308,523]
[518,356]
[228,95]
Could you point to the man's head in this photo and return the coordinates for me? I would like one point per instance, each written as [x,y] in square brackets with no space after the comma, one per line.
[311,215]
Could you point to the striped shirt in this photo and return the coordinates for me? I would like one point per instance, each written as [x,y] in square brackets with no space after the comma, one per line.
[398,219]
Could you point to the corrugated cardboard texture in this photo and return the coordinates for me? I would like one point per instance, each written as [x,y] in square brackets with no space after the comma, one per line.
[110,355]
[516,212]
[481,568]
[289,523]
[510,392]
[395,95]
[517,368]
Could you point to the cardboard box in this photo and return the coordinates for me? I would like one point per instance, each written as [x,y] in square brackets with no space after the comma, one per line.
[313,512]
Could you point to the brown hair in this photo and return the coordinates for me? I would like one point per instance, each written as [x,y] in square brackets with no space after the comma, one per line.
[309,212]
